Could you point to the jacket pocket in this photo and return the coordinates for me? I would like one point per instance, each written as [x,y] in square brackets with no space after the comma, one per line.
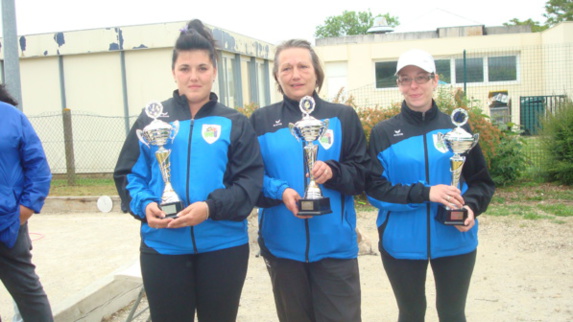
[8,200]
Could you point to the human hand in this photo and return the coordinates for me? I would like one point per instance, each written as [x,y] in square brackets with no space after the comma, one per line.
[193,215]
[155,216]
[290,199]
[469,222]
[447,195]
[25,214]
[321,172]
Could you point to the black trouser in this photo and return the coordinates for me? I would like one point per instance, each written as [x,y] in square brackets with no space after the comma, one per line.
[327,290]
[452,276]
[18,274]
[211,283]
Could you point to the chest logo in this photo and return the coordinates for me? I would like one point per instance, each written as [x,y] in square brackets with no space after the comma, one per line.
[211,132]
[398,133]
[327,139]
[439,144]
[277,123]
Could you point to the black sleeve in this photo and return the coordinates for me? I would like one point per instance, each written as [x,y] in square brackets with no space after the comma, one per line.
[243,178]
[349,173]
[127,158]
[377,185]
[480,184]
[262,201]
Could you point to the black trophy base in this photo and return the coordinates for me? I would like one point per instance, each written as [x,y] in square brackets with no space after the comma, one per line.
[171,209]
[452,217]
[314,207]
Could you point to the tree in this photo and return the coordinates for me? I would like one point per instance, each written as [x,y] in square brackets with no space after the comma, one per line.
[351,23]
[535,26]
[558,11]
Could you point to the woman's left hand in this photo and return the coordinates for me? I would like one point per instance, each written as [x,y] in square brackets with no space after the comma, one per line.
[469,223]
[321,172]
[193,215]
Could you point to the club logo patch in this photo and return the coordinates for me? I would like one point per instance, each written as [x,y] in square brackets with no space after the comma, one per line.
[211,132]
[439,145]
[327,139]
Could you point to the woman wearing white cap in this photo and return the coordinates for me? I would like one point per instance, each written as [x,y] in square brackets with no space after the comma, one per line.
[411,178]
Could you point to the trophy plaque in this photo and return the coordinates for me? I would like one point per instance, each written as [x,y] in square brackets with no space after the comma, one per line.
[460,142]
[309,129]
[158,133]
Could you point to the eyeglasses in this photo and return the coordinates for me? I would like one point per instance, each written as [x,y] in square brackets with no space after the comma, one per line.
[420,79]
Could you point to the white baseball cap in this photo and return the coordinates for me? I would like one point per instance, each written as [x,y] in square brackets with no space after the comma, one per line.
[416,57]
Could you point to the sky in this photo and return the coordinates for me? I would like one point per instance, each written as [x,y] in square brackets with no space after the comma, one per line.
[269,20]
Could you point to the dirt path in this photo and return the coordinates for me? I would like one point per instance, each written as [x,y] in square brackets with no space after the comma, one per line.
[524,272]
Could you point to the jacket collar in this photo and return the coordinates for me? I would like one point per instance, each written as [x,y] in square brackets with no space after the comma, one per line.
[182,102]
[419,118]
[293,105]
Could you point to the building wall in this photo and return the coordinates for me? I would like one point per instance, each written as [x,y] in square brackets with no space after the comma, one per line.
[116,71]
[536,67]
[106,76]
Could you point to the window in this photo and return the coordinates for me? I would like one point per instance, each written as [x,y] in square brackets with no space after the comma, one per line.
[262,79]
[473,71]
[385,74]
[476,70]
[229,81]
[443,70]
[502,68]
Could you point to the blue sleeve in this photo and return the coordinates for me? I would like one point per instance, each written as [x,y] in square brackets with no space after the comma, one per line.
[138,185]
[274,188]
[37,175]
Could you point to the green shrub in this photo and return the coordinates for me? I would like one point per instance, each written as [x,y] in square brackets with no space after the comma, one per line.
[557,137]
[509,162]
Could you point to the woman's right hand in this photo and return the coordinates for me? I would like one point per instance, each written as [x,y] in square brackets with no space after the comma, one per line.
[448,196]
[156,217]
[290,199]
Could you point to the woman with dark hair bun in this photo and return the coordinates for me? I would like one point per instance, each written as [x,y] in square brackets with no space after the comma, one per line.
[196,261]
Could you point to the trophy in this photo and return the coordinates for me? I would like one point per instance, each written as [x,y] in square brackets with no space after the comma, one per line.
[309,130]
[460,142]
[158,133]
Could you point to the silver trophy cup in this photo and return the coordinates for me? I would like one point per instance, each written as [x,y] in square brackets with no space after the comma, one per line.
[460,142]
[309,129]
[158,133]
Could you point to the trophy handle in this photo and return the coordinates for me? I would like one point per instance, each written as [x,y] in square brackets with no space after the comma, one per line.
[139,134]
[174,131]
[325,128]
[475,141]
[292,129]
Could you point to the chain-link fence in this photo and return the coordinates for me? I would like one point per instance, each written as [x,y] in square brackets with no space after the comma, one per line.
[81,143]
[519,85]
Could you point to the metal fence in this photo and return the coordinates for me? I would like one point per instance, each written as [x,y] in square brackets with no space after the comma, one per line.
[518,84]
[81,142]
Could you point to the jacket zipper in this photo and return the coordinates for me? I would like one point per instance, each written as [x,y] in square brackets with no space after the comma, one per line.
[306,227]
[307,240]
[187,182]
[428,214]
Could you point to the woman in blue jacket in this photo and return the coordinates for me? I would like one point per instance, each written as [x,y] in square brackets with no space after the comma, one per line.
[411,178]
[312,261]
[197,260]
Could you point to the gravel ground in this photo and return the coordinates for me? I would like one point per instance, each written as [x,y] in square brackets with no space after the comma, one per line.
[523,273]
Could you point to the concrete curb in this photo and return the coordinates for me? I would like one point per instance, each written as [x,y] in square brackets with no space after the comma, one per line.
[102,298]
[70,204]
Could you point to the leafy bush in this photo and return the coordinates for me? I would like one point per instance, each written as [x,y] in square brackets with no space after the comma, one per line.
[557,137]
[502,149]
[509,162]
